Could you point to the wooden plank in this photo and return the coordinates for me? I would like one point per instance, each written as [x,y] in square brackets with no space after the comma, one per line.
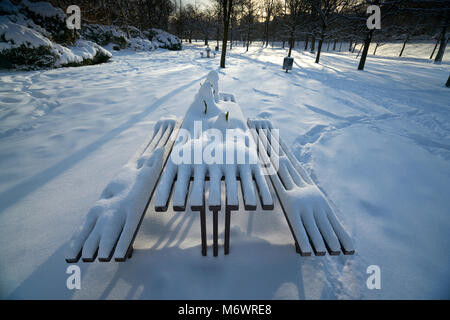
[167,153]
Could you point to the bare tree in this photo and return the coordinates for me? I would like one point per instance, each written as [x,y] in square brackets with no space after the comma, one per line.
[388,8]
[328,11]
[296,17]
[268,8]
[442,44]
[227,7]
[249,15]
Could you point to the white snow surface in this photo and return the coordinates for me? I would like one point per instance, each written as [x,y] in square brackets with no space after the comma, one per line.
[376,142]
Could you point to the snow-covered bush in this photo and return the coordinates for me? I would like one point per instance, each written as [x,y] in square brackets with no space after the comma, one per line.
[22,46]
[34,35]
[23,57]
[26,42]
[137,40]
[164,39]
[83,53]
[104,35]
[49,18]
[142,44]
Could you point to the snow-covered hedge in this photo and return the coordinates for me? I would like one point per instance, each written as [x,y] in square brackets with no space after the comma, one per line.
[164,39]
[137,40]
[24,48]
[104,35]
[49,18]
[33,36]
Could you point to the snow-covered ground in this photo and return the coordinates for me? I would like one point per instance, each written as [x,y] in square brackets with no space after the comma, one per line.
[377,143]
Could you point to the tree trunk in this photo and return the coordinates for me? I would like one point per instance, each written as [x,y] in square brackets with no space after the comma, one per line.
[328,45]
[334,44]
[350,45]
[354,47]
[404,45]
[435,47]
[319,49]
[218,29]
[266,32]
[362,62]
[313,44]
[442,46]
[448,82]
[231,37]
[306,43]
[248,37]
[227,6]
[375,50]
[340,46]
[291,43]
[359,51]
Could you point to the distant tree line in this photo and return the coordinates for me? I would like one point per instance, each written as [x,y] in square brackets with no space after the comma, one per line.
[143,14]
[316,23]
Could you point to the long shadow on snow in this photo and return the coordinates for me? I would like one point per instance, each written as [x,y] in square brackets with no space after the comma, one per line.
[21,190]
[255,269]
[174,273]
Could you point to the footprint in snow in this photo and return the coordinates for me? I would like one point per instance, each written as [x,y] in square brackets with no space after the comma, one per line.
[265,115]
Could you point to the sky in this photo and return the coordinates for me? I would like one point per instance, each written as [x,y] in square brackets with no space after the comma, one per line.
[203,2]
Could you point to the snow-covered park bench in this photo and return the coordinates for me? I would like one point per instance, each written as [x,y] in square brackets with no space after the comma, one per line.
[176,170]
[184,185]
[311,218]
[111,225]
